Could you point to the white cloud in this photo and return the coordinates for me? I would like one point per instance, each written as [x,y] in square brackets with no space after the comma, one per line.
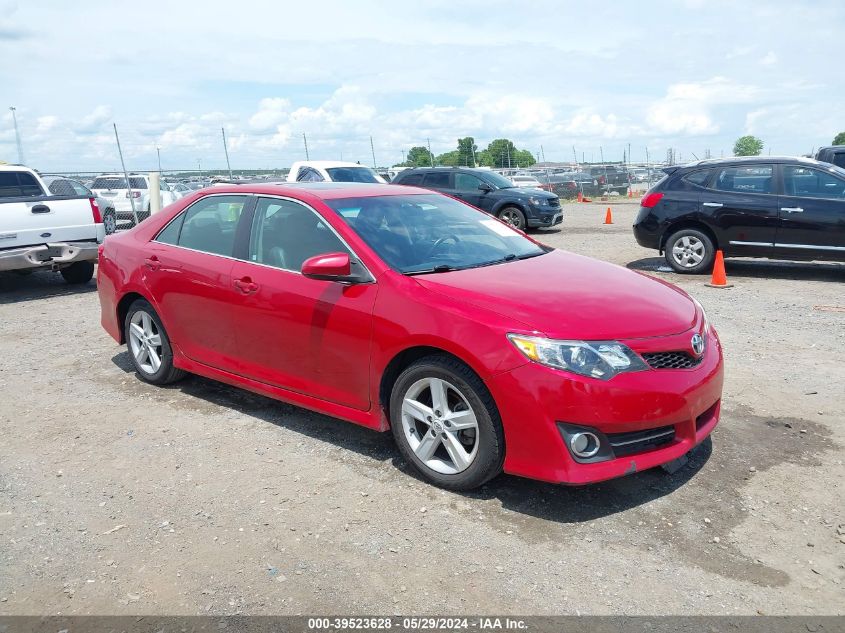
[46,123]
[770,59]
[93,122]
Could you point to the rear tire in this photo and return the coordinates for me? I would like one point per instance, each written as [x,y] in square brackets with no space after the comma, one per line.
[446,424]
[148,344]
[78,272]
[514,217]
[689,252]
[110,221]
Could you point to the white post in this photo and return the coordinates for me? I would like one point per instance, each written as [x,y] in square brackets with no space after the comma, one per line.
[155,192]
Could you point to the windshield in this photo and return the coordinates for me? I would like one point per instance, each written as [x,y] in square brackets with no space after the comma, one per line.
[498,180]
[352,174]
[431,233]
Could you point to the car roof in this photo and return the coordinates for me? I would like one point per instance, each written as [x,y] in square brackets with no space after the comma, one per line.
[321,190]
[325,164]
[752,160]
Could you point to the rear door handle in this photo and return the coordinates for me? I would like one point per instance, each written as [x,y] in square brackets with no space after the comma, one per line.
[40,208]
[714,205]
[246,285]
[152,262]
[792,209]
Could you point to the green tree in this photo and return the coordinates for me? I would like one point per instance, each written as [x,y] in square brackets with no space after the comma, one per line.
[748,146]
[450,159]
[839,139]
[419,156]
[467,150]
[503,153]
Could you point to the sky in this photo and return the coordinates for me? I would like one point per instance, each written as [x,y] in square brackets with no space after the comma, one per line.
[692,75]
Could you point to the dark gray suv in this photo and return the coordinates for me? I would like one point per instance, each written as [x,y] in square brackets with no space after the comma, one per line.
[490,192]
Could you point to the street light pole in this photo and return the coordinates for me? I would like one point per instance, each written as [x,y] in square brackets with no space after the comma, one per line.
[158,151]
[12,109]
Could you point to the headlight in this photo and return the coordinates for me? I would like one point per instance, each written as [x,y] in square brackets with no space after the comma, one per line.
[596,359]
[537,202]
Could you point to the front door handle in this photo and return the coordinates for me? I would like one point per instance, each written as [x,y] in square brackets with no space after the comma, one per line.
[714,205]
[792,209]
[40,208]
[152,262]
[246,285]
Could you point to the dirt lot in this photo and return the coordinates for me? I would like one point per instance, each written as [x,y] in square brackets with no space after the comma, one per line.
[119,497]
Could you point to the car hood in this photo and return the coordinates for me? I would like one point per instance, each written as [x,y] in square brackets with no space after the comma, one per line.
[569,296]
[524,192]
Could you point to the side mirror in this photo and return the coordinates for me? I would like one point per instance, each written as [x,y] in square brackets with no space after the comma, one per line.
[329,267]
[485,187]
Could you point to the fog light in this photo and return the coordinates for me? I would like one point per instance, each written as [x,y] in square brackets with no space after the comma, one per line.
[584,444]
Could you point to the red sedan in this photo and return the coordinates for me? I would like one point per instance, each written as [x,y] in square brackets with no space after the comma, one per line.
[398,308]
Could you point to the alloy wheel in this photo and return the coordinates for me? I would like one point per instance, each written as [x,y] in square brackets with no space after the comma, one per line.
[440,425]
[145,342]
[688,251]
[511,217]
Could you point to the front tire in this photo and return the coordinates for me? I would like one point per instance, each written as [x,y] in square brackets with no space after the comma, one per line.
[78,272]
[689,251]
[513,216]
[149,346]
[446,424]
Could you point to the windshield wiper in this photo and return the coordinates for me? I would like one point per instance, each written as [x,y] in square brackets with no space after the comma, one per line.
[441,268]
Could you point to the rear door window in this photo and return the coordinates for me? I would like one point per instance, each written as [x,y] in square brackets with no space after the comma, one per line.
[18,184]
[210,224]
[411,180]
[437,180]
[745,179]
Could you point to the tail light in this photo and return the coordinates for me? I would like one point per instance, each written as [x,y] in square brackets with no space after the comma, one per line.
[95,211]
[650,200]
[133,194]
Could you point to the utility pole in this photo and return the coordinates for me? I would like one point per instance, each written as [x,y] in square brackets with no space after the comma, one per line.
[158,151]
[648,164]
[199,166]
[126,175]
[543,153]
[629,154]
[305,140]
[373,150]
[430,155]
[472,147]
[12,109]
[226,150]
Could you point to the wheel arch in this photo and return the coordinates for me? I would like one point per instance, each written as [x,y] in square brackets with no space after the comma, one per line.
[403,359]
[123,309]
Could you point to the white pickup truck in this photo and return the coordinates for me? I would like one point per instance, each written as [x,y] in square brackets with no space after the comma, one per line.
[42,231]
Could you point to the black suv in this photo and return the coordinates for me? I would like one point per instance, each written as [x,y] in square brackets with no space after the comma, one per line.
[780,208]
[490,192]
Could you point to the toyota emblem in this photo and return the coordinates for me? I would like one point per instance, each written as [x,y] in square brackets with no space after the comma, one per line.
[697,344]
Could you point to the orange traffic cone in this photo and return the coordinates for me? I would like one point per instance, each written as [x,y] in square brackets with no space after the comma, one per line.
[580,197]
[719,278]
[608,217]
[630,192]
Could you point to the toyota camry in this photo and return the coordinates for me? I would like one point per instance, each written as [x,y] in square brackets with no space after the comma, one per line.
[408,311]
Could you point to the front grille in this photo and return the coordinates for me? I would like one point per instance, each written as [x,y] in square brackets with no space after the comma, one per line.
[639,441]
[671,360]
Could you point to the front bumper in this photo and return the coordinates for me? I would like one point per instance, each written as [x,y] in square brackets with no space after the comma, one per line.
[54,256]
[533,400]
[545,217]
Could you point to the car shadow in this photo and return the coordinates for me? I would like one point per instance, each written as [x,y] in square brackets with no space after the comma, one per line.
[551,502]
[756,269]
[16,288]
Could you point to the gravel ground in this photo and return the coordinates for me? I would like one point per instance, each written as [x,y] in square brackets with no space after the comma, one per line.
[117,497]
